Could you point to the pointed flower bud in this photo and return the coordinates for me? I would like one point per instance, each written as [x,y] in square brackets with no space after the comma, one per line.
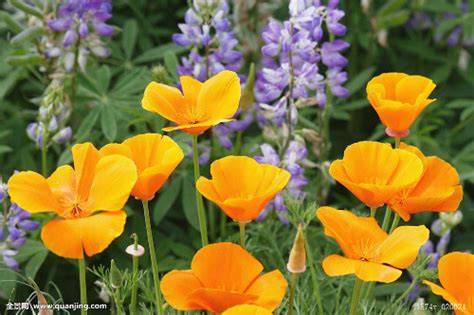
[297,260]
[115,275]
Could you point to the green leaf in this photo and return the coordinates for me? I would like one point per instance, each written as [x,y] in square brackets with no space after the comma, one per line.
[25,60]
[35,263]
[166,199]
[103,77]
[87,124]
[129,37]
[188,201]
[360,80]
[442,73]
[11,22]
[28,9]
[171,63]
[447,25]
[390,7]
[108,122]
[5,149]
[8,280]
[440,6]
[159,52]
[394,19]
[27,35]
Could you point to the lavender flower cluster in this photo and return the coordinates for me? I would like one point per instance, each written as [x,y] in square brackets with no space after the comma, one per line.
[294,48]
[14,224]
[296,153]
[208,34]
[82,22]
[295,54]
[53,115]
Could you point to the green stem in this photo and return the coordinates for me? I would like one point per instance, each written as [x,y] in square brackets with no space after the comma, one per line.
[356,296]
[154,262]
[212,220]
[407,291]
[386,219]
[396,220]
[242,233]
[223,225]
[74,74]
[133,301]
[397,142]
[82,284]
[44,159]
[118,298]
[291,299]
[373,210]
[199,202]
[314,278]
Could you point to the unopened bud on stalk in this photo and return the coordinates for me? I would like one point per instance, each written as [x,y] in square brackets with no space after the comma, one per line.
[115,275]
[297,260]
[451,219]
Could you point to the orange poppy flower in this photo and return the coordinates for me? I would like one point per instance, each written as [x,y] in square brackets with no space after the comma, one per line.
[247,309]
[456,274]
[155,156]
[398,99]
[241,186]
[223,275]
[438,190]
[76,195]
[200,106]
[370,253]
[374,172]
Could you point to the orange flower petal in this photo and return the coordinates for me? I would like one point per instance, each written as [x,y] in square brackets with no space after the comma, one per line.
[217,301]
[164,100]
[270,289]
[456,274]
[246,309]
[225,266]
[115,148]
[436,289]
[191,88]
[198,128]
[115,176]
[156,157]
[63,185]
[375,173]
[31,192]
[71,237]
[85,158]
[335,265]
[220,96]
[241,186]
[177,286]
[401,247]
[350,231]
[398,98]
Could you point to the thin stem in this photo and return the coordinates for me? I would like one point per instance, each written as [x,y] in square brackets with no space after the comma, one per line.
[407,291]
[133,301]
[82,284]
[154,262]
[294,281]
[373,210]
[242,233]
[199,202]
[397,142]
[212,220]
[74,73]
[355,296]
[396,220]
[44,159]
[386,219]
[314,278]
[118,298]
[223,225]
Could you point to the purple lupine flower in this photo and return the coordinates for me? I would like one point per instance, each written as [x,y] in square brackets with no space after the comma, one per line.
[204,151]
[14,225]
[207,29]
[295,154]
[83,22]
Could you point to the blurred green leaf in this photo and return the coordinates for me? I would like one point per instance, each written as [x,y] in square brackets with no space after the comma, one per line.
[108,122]
[171,63]
[166,198]
[87,124]
[390,7]
[129,37]
[188,202]
[158,53]
[360,80]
